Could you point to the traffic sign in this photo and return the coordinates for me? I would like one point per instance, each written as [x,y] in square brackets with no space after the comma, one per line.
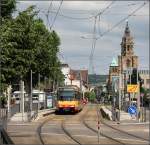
[132,88]
[132,110]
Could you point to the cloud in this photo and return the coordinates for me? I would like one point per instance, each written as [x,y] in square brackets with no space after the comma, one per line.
[76,50]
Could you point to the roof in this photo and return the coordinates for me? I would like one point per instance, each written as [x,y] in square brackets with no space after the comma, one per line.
[64,65]
[114,62]
[80,74]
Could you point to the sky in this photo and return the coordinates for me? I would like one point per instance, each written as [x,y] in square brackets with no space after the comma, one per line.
[76,30]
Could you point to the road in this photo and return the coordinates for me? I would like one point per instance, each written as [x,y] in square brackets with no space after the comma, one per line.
[80,128]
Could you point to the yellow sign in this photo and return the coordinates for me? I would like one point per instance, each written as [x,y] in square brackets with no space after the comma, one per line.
[132,88]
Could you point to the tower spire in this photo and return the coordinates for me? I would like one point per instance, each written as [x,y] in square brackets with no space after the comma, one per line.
[127,30]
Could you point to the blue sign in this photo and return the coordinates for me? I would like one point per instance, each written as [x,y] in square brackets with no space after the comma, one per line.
[132,110]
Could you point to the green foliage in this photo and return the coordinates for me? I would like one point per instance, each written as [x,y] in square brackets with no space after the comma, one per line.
[90,95]
[27,44]
[7,7]
[87,94]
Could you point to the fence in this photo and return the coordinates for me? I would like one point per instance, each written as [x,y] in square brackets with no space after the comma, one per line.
[3,117]
[4,138]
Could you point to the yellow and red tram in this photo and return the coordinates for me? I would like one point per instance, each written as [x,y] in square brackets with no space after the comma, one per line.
[69,98]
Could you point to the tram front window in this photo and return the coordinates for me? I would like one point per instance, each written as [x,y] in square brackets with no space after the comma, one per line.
[67,96]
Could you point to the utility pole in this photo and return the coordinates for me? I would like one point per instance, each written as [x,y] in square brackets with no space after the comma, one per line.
[138,99]
[80,80]
[45,95]
[31,94]
[22,98]
[9,100]
[120,87]
[39,90]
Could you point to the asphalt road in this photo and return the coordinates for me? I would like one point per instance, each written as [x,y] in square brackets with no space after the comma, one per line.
[76,129]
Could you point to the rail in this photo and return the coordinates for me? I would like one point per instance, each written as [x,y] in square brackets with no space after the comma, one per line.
[4,138]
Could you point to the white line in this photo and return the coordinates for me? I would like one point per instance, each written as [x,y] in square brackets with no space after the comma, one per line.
[137,123]
[48,133]
[130,139]
[80,135]
[141,123]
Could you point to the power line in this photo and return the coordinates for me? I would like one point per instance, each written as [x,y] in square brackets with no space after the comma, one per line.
[56,14]
[47,15]
[91,65]
[122,20]
[83,18]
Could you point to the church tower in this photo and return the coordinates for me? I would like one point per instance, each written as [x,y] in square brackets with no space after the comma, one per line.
[127,58]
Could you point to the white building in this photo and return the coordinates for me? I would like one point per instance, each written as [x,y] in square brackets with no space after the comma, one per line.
[75,77]
[66,71]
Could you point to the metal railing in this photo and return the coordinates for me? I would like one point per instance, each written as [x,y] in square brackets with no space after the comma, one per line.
[4,138]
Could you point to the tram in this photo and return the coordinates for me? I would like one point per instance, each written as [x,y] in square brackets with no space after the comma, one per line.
[69,98]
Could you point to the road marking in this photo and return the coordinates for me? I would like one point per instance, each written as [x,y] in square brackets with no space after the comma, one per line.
[22,124]
[49,133]
[137,123]
[81,135]
[130,140]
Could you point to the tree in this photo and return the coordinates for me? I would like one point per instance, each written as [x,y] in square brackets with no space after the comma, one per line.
[27,44]
[7,8]
[92,96]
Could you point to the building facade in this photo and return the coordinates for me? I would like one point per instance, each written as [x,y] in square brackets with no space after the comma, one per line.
[126,60]
[75,77]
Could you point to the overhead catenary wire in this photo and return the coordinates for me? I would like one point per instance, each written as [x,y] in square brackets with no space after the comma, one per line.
[56,14]
[91,65]
[82,18]
[91,17]
[101,35]
[48,14]
[122,20]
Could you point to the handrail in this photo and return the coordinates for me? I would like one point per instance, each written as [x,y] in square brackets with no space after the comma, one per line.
[4,138]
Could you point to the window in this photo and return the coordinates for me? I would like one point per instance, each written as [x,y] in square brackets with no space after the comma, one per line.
[148,81]
[128,63]
[128,47]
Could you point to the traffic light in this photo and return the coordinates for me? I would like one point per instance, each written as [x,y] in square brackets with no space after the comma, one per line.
[134,76]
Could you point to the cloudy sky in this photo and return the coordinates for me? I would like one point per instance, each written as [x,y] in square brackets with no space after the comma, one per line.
[75,29]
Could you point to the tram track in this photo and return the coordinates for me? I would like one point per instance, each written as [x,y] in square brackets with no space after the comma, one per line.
[81,120]
[68,133]
[122,131]
[114,129]
[102,134]
[63,127]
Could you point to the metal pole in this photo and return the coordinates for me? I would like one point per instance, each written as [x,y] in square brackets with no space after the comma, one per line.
[138,99]
[31,94]
[45,94]
[130,93]
[149,122]
[80,81]
[119,95]
[39,90]
[98,118]
[22,98]
[8,101]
